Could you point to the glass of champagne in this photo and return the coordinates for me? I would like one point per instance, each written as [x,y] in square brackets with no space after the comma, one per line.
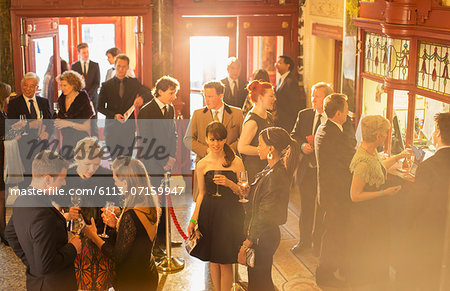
[108,207]
[23,117]
[75,223]
[217,194]
[243,181]
[56,108]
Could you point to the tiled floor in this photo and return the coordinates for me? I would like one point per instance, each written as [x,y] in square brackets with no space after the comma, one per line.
[290,272]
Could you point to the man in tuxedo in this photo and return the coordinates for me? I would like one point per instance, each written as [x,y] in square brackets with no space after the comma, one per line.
[235,86]
[215,110]
[156,123]
[34,108]
[120,98]
[37,231]
[334,149]
[291,98]
[305,128]
[425,244]
[111,54]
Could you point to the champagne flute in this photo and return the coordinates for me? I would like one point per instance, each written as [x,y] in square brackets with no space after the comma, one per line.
[243,181]
[108,207]
[56,108]
[23,117]
[217,194]
[75,223]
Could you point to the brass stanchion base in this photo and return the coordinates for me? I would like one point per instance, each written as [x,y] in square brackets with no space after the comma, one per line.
[240,286]
[170,266]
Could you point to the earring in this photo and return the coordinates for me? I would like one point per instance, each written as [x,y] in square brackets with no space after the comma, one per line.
[269,156]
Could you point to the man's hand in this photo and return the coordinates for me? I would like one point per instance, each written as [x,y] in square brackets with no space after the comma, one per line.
[169,164]
[74,212]
[138,102]
[76,242]
[35,123]
[307,149]
[120,118]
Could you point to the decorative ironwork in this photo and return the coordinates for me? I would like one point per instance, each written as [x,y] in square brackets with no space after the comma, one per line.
[433,65]
[376,50]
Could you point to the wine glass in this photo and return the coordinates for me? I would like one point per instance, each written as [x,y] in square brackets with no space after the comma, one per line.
[217,194]
[108,207]
[243,181]
[56,108]
[76,225]
[23,117]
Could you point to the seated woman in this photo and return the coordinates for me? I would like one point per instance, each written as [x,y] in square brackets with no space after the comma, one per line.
[130,245]
[269,197]
[220,218]
[75,111]
[94,271]
[257,119]
[369,228]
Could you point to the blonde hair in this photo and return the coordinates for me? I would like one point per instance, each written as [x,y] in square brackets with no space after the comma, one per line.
[372,125]
[88,147]
[328,88]
[73,78]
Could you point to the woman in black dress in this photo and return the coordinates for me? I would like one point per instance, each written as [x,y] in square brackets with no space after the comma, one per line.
[257,119]
[75,112]
[220,218]
[130,245]
[267,210]
[5,91]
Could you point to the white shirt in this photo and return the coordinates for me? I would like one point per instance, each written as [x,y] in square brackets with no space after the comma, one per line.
[232,84]
[323,119]
[35,104]
[338,125]
[161,105]
[220,113]
[281,80]
[87,67]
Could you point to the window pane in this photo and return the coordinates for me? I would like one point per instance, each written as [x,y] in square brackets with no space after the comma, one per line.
[262,52]
[43,50]
[399,121]
[64,42]
[374,98]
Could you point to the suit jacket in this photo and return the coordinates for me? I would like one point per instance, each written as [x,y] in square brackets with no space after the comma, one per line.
[195,137]
[153,125]
[291,98]
[334,151]
[241,93]
[110,103]
[92,80]
[38,236]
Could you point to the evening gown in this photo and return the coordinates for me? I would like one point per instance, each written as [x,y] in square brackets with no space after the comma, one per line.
[253,164]
[221,222]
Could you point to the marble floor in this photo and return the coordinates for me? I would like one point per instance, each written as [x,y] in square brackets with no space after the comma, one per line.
[290,272]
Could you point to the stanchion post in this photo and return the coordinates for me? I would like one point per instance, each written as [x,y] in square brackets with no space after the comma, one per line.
[237,286]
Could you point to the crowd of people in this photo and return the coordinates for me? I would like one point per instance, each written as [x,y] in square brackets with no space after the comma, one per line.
[246,168]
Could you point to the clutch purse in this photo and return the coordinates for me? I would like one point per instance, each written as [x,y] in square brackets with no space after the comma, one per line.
[250,257]
[191,241]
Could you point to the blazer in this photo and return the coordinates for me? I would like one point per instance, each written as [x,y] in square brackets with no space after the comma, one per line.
[38,236]
[291,98]
[162,131]
[334,151]
[92,80]
[195,137]
[241,93]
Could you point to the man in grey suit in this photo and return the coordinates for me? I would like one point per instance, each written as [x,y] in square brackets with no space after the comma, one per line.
[235,86]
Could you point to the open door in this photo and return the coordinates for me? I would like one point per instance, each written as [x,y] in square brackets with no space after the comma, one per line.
[41,49]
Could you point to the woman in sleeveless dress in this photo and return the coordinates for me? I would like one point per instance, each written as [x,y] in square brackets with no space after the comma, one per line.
[369,229]
[131,245]
[257,119]
[220,218]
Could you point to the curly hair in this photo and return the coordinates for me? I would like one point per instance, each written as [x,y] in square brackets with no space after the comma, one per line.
[257,88]
[73,78]
[372,125]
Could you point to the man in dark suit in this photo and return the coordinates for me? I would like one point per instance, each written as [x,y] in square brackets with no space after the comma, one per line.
[91,75]
[291,98]
[156,122]
[334,149]
[305,128]
[37,231]
[425,244]
[235,86]
[34,108]
[117,98]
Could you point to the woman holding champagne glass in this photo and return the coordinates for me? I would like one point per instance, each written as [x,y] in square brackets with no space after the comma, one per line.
[218,213]
[130,245]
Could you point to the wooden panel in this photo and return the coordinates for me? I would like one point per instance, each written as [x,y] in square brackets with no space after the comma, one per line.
[38,26]
[327,31]
[27,4]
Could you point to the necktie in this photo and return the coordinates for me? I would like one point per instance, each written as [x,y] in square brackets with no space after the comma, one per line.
[33,113]
[84,69]
[121,89]
[318,123]
[216,116]
[278,84]
[235,89]
[165,111]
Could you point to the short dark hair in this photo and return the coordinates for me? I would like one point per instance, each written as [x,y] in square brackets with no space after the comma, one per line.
[219,86]
[48,163]
[289,61]
[122,57]
[113,51]
[165,83]
[261,75]
[443,124]
[333,103]
[82,46]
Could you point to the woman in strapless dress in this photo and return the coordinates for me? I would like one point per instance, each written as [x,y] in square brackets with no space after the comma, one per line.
[220,219]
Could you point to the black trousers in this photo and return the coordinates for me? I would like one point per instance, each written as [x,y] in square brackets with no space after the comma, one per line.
[308,194]
[260,276]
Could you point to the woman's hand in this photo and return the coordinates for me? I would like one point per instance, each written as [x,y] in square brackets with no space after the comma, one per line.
[222,180]
[244,190]
[242,256]
[392,190]
[406,153]
[191,228]
[61,123]
[90,230]
[109,218]
[19,124]
[74,212]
